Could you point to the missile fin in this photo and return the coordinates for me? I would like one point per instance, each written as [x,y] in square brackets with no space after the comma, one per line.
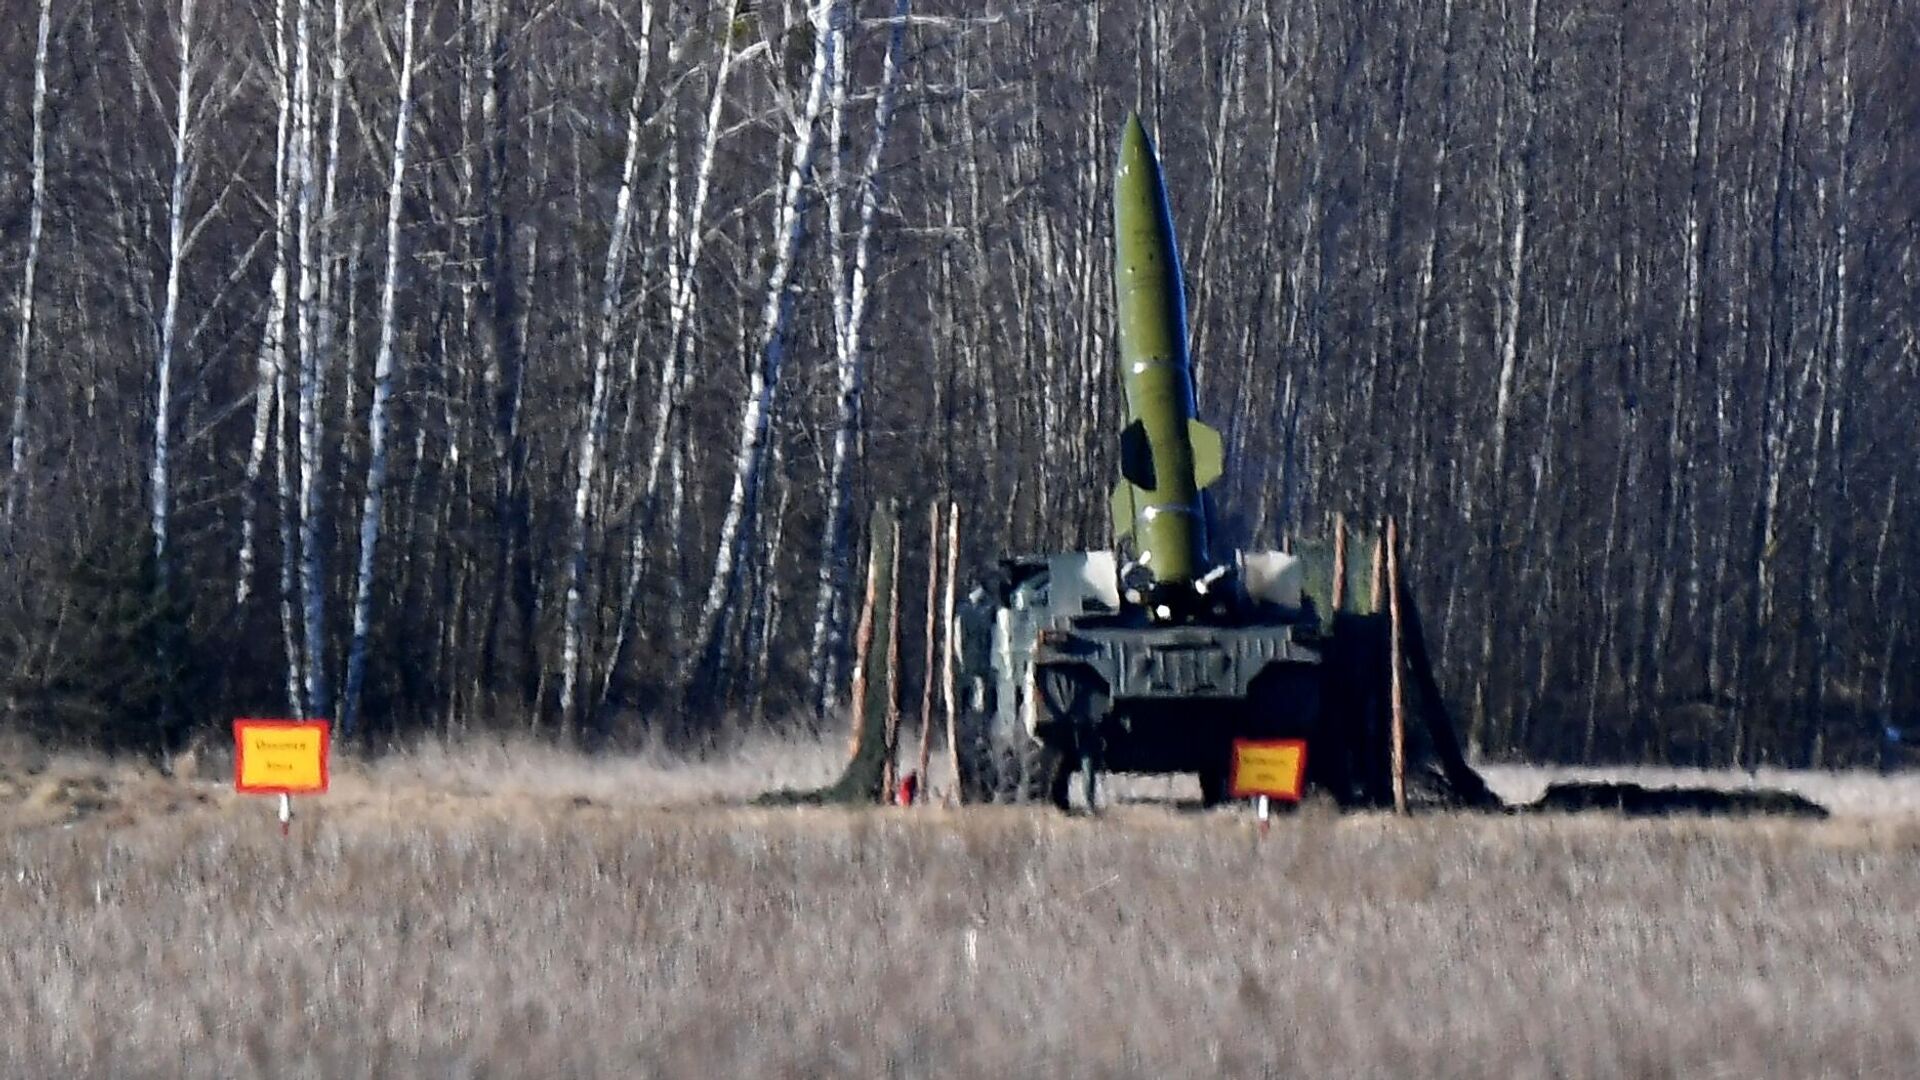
[1209,455]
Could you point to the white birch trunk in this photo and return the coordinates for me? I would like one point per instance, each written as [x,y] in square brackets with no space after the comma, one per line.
[850,365]
[686,277]
[1779,420]
[1512,302]
[593,431]
[1512,299]
[382,392]
[1685,366]
[17,433]
[737,527]
[275,341]
[307,414]
[160,477]
[329,188]
[687,233]
[268,379]
[1430,253]
[1883,696]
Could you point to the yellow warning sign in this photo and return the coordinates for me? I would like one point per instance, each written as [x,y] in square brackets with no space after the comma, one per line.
[272,757]
[1276,768]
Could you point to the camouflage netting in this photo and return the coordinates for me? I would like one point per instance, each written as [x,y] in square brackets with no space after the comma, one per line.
[1353,758]
[1354,761]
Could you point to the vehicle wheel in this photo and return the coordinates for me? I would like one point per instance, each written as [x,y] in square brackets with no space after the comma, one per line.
[1001,763]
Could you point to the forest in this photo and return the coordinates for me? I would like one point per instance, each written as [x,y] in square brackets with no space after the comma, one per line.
[535,365]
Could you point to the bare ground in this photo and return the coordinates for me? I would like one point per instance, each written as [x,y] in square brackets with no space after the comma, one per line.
[515,911]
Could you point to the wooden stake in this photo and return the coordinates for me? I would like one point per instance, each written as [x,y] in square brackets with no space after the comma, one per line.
[933,621]
[892,775]
[1398,662]
[863,647]
[1379,571]
[866,777]
[1339,561]
[948,697]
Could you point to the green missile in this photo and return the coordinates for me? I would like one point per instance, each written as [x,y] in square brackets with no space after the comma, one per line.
[1167,457]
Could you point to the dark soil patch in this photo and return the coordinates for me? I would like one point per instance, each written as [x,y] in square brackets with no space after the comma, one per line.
[1633,800]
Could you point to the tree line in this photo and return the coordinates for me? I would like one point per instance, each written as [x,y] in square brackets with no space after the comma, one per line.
[451,364]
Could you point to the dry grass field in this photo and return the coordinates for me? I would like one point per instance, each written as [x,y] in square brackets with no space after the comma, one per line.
[520,912]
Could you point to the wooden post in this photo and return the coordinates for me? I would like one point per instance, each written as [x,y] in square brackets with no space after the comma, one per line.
[947,694]
[1339,561]
[926,667]
[863,646]
[891,778]
[868,771]
[1379,571]
[1397,660]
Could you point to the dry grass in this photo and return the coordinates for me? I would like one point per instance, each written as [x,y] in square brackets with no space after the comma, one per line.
[502,913]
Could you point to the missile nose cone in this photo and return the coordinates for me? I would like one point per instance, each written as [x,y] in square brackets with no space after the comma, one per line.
[1136,150]
[1143,225]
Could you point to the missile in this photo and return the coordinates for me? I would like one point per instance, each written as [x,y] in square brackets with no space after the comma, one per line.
[1167,456]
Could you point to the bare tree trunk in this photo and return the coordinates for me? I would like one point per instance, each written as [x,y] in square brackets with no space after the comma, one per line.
[313,584]
[382,392]
[17,429]
[688,234]
[1830,548]
[1518,210]
[593,429]
[1426,275]
[161,478]
[1778,418]
[1895,623]
[737,528]
[863,638]
[686,270]
[1686,367]
[503,341]
[851,305]
[270,377]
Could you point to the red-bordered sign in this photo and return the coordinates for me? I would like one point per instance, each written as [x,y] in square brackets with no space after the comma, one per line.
[1276,768]
[280,757]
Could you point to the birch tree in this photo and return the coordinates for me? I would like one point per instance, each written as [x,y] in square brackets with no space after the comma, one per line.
[161,478]
[687,236]
[17,428]
[593,429]
[852,290]
[827,19]
[312,370]
[1516,211]
[272,357]
[383,376]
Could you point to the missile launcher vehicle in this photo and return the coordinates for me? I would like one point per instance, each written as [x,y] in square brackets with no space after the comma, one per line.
[1156,656]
